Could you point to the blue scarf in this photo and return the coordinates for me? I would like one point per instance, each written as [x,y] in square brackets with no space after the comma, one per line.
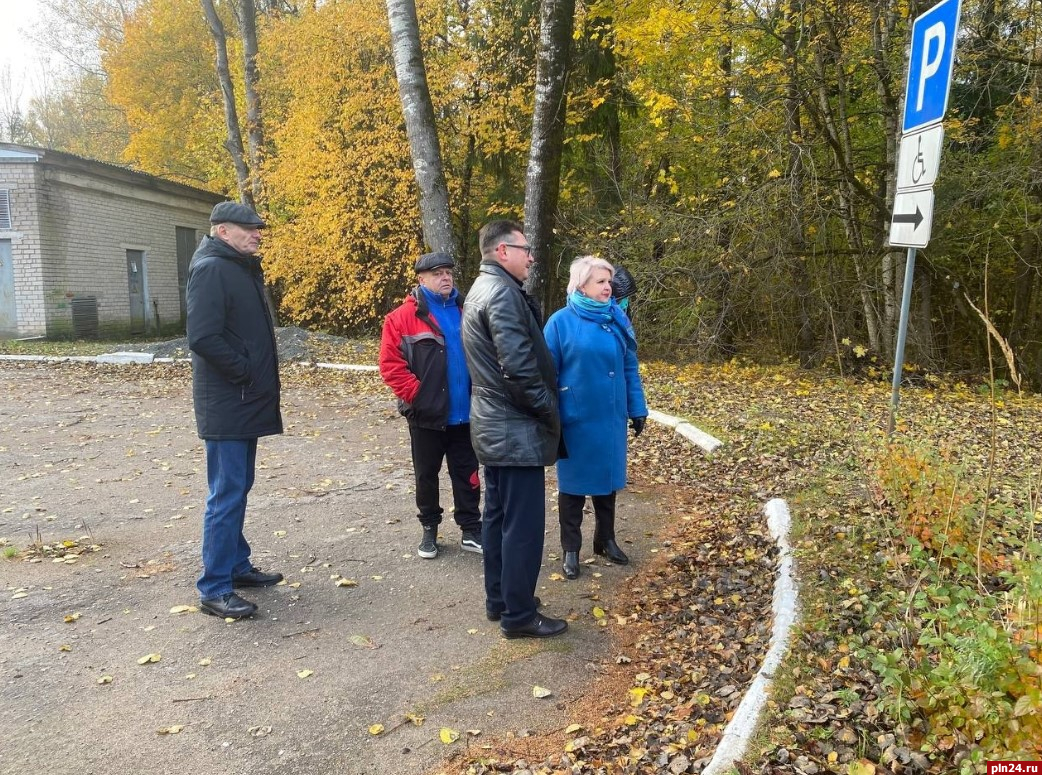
[604,312]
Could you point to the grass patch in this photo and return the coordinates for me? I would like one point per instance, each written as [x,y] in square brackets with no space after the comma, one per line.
[63,348]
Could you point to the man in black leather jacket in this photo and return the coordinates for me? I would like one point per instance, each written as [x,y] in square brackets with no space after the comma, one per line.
[235,387]
[514,426]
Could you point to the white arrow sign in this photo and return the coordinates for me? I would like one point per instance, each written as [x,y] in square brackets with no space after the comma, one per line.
[912,218]
[919,158]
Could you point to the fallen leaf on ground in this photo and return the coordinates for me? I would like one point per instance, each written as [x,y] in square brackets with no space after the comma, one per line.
[305,673]
[171,730]
[148,659]
[448,736]
[376,729]
[540,692]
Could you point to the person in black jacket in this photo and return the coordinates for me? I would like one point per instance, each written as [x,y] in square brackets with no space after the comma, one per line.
[514,427]
[235,389]
[421,360]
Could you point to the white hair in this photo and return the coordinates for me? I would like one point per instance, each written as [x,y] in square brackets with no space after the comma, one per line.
[581,269]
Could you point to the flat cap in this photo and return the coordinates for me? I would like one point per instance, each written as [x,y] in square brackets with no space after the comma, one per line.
[429,261]
[233,212]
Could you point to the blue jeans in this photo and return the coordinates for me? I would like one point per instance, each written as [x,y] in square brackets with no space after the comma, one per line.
[230,469]
[512,539]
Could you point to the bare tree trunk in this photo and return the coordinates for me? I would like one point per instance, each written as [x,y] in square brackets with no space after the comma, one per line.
[543,179]
[884,21]
[796,175]
[420,125]
[254,122]
[835,123]
[231,117]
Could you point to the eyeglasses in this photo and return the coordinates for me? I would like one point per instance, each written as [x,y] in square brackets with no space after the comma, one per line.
[526,248]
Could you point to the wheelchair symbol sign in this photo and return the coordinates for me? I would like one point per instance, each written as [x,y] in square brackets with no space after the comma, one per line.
[919,158]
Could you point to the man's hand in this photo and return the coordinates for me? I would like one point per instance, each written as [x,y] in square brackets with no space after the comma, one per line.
[637,423]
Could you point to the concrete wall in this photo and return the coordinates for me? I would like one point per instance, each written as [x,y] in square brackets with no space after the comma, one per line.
[88,225]
[74,221]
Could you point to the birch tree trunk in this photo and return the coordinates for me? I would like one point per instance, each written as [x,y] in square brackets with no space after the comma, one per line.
[543,178]
[792,34]
[420,126]
[231,116]
[251,78]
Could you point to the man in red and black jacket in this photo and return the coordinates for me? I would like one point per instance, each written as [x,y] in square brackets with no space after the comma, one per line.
[421,360]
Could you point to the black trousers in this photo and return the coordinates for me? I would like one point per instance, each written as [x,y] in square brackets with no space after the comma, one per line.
[570,513]
[429,448]
[512,533]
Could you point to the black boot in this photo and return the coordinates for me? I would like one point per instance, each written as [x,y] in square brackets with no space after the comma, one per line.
[608,548]
[571,565]
[604,534]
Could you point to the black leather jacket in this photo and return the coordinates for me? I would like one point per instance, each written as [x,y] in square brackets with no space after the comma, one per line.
[513,406]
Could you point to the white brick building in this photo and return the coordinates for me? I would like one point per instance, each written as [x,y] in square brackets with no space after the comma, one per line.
[88,246]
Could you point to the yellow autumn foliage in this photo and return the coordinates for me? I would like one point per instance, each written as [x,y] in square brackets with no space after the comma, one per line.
[342,193]
[161,75]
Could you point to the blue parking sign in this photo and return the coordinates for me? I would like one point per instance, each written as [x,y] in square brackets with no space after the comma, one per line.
[930,65]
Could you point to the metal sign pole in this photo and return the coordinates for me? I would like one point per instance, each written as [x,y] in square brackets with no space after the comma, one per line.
[902,336]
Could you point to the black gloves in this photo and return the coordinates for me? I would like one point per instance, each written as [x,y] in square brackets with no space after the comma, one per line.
[637,423]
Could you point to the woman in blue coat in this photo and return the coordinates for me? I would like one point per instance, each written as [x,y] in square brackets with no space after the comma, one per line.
[599,388]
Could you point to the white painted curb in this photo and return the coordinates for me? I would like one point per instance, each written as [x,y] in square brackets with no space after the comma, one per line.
[695,435]
[739,731]
[346,367]
[50,358]
[126,357]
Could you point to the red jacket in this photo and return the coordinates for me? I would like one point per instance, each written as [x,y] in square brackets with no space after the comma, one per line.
[413,363]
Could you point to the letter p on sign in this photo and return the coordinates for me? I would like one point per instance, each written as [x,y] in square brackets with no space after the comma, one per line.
[933,48]
[930,65]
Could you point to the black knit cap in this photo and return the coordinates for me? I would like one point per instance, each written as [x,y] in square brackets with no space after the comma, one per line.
[622,284]
[233,212]
[429,261]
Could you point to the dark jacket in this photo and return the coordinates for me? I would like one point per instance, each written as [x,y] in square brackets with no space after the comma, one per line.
[414,363]
[235,370]
[513,406]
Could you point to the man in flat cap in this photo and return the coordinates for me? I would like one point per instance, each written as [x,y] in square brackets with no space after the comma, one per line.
[421,360]
[235,387]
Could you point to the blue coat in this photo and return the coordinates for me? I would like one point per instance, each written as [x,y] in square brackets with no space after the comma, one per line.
[598,388]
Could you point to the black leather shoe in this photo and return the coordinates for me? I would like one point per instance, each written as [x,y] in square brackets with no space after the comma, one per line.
[256,578]
[540,627]
[229,606]
[571,565]
[495,616]
[611,550]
